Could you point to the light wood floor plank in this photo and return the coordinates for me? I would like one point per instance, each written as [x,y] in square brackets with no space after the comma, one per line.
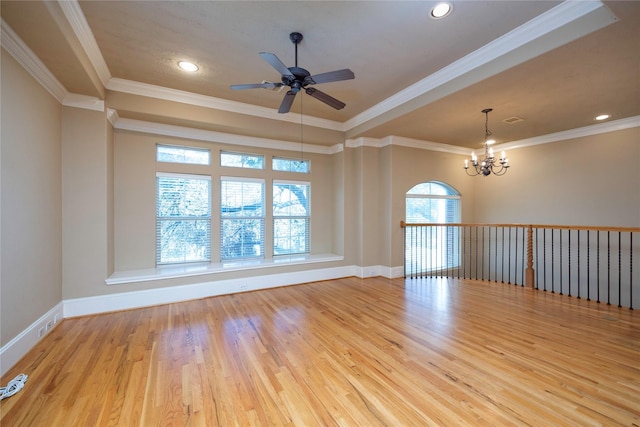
[348,352]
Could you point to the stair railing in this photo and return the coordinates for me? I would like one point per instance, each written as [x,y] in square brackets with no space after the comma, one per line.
[582,261]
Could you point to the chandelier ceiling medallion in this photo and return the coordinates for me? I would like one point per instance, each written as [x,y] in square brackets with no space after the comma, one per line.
[489,164]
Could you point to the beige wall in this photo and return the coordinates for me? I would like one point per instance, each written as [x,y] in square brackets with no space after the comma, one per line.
[86,213]
[592,180]
[31,233]
[135,174]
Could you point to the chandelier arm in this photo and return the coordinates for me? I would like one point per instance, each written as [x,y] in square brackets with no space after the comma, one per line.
[472,174]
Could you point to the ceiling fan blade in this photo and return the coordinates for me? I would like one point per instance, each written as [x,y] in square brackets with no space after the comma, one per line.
[287,102]
[331,76]
[277,64]
[257,86]
[327,99]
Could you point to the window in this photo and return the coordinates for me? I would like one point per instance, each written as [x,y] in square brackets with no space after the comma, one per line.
[428,203]
[290,217]
[241,160]
[290,165]
[183,218]
[188,155]
[242,218]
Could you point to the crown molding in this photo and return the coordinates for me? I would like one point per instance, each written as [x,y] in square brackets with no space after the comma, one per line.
[426,145]
[612,126]
[363,142]
[595,129]
[218,137]
[83,101]
[30,62]
[161,92]
[72,11]
[112,116]
[534,30]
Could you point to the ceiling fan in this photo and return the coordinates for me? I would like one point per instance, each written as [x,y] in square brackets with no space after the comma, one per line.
[298,79]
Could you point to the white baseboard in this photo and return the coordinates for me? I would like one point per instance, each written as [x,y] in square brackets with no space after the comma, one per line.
[128,300]
[14,350]
[379,270]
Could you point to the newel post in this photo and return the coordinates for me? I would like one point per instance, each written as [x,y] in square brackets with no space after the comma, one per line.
[529,280]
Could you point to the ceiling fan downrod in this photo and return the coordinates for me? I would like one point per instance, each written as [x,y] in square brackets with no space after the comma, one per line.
[295,39]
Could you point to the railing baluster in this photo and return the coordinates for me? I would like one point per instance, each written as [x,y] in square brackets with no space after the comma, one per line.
[553,260]
[416,251]
[538,261]
[481,255]
[631,270]
[509,259]
[578,296]
[619,269]
[561,264]
[598,268]
[496,261]
[464,252]
[544,258]
[502,263]
[569,265]
[449,251]
[422,266]
[588,265]
[489,256]
[608,268]
[476,277]
[404,251]
[523,254]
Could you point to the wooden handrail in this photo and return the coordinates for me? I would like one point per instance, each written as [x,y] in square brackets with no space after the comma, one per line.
[554,227]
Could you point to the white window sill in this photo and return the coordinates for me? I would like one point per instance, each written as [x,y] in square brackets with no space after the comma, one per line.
[187,270]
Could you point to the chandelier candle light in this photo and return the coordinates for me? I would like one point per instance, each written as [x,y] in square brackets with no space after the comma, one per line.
[489,164]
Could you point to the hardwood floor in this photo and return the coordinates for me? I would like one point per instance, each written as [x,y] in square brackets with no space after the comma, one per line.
[372,352]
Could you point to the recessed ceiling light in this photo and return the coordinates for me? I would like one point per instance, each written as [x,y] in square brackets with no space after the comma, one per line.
[602,117]
[188,66]
[441,10]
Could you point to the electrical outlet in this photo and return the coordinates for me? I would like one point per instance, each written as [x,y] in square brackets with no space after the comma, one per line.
[40,332]
[49,325]
[55,319]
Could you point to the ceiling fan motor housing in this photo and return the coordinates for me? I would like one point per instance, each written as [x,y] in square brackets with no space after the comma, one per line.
[298,82]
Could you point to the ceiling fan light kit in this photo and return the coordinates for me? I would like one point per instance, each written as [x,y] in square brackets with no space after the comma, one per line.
[297,79]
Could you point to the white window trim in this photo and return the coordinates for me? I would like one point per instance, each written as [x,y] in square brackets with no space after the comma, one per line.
[290,181]
[242,178]
[184,147]
[308,216]
[263,218]
[182,175]
[174,271]
[185,176]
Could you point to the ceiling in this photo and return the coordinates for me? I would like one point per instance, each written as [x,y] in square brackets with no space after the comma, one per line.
[555,65]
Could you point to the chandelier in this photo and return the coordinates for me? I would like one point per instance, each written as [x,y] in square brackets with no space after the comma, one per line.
[489,164]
